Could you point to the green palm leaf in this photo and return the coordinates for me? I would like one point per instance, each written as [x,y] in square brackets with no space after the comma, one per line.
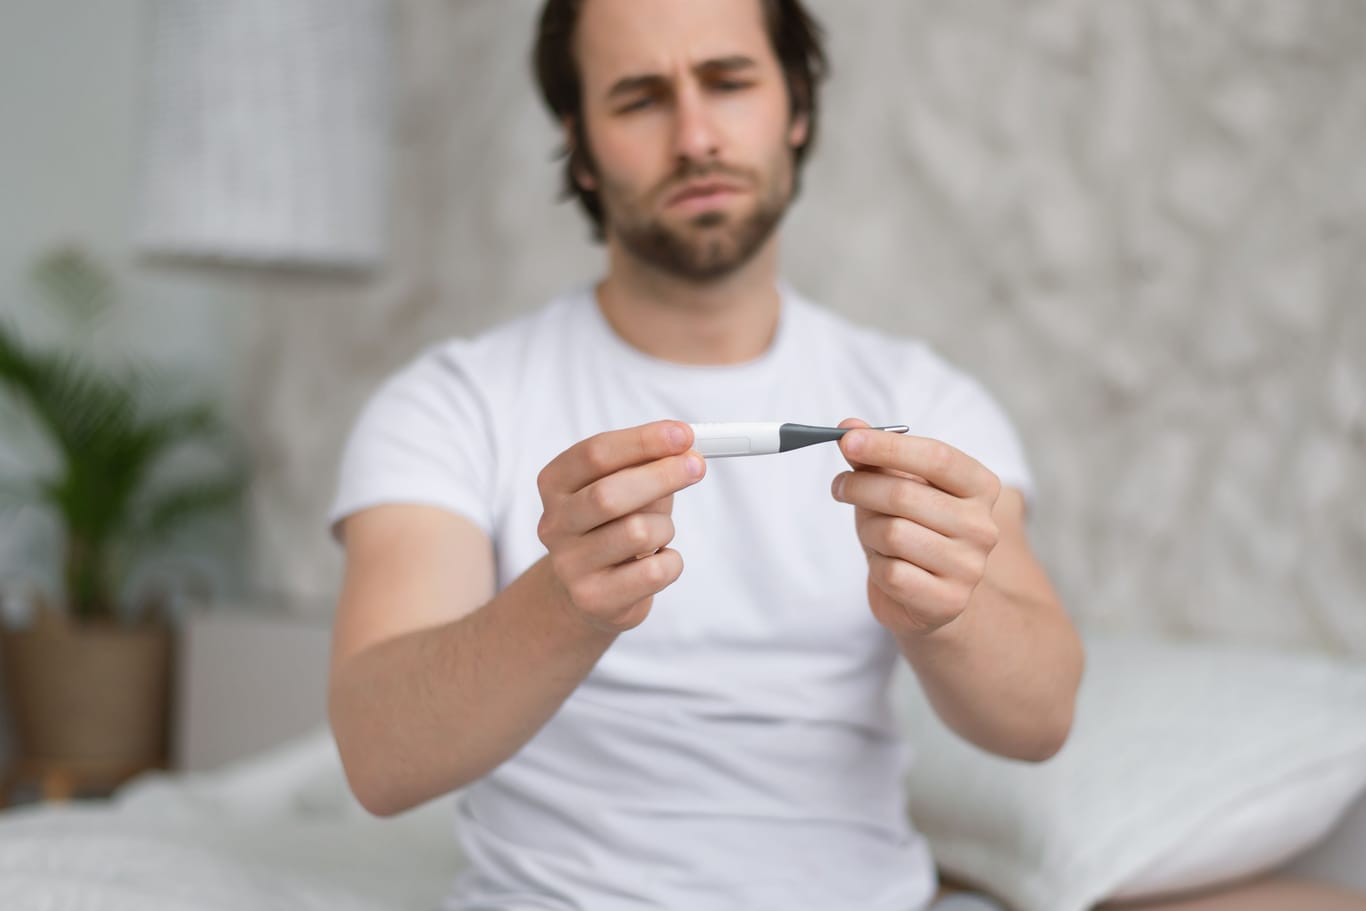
[73,403]
[110,446]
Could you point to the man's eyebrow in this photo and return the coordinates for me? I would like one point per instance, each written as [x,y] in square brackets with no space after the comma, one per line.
[726,64]
[628,84]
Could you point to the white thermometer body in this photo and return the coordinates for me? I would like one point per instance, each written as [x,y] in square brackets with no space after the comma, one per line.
[737,439]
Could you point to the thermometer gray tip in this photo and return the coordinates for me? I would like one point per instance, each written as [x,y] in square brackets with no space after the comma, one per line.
[795,436]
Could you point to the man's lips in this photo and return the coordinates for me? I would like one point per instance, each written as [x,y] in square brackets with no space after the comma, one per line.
[702,193]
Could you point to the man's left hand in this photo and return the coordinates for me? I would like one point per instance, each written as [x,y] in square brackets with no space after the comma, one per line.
[923,513]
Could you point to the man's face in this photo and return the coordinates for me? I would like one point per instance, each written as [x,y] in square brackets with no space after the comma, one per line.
[689,129]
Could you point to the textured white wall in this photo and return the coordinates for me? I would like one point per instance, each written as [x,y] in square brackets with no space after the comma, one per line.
[1141,224]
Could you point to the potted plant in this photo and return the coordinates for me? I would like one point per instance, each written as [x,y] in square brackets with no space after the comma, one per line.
[88,682]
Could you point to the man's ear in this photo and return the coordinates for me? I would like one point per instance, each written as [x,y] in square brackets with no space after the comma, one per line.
[579,170]
[799,130]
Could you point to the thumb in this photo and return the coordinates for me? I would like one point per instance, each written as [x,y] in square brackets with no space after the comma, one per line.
[852,422]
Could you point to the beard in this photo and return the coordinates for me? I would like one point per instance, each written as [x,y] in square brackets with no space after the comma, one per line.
[707,246]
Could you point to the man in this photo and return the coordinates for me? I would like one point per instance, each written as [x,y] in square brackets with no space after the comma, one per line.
[628,732]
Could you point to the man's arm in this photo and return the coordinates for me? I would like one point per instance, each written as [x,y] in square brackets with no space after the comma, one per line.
[1004,673]
[429,689]
[952,577]
[432,683]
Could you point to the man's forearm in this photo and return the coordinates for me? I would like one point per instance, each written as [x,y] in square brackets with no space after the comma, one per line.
[428,712]
[1003,674]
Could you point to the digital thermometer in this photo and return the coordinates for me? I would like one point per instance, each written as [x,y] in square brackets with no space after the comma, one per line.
[717,441]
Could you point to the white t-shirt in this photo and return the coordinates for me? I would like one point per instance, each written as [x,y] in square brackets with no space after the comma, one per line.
[736,750]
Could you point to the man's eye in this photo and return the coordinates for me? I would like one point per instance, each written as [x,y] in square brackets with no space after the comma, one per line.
[639,104]
[730,85]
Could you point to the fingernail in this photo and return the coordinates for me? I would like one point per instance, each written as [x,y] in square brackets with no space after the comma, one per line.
[677,435]
[853,441]
[838,487]
[695,466]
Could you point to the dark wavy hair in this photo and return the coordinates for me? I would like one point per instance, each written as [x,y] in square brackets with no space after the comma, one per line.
[796,38]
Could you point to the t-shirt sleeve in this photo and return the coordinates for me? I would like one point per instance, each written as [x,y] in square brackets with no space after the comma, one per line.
[964,414]
[424,437]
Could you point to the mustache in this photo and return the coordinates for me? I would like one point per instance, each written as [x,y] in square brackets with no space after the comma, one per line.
[689,171]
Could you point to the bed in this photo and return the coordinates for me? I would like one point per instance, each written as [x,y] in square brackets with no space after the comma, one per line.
[277,828]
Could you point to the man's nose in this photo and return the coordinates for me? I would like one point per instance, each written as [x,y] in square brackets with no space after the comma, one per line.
[696,138]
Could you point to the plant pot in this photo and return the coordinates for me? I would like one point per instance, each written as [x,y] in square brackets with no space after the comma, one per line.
[89,692]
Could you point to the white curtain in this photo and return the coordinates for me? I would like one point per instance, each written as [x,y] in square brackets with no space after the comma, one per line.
[267,131]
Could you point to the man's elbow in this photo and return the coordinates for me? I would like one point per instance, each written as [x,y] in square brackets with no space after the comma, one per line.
[369,789]
[369,793]
[1050,739]
[368,781]
[380,795]
[381,782]
[1052,731]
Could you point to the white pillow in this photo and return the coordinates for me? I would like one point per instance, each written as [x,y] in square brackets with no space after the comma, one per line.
[300,775]
[1188,765]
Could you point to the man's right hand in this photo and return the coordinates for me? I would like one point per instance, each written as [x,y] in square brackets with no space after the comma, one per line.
[607,518]
[424,646]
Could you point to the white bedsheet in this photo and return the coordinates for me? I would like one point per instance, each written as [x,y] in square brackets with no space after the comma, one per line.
[282,831]
[279,831]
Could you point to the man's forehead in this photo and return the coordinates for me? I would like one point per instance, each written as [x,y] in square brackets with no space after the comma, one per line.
[621,38]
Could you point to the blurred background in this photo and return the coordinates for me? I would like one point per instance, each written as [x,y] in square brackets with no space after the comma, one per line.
[1142,225]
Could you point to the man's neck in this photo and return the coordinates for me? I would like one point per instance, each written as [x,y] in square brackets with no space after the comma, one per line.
[730,320]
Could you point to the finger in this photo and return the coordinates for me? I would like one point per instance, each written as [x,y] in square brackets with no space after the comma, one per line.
[854,423]
[929,599]
[629,490]
[606,453]
[617,589]
[942,465]
[902,539]
[895,496]
[636,535]
[664,505]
